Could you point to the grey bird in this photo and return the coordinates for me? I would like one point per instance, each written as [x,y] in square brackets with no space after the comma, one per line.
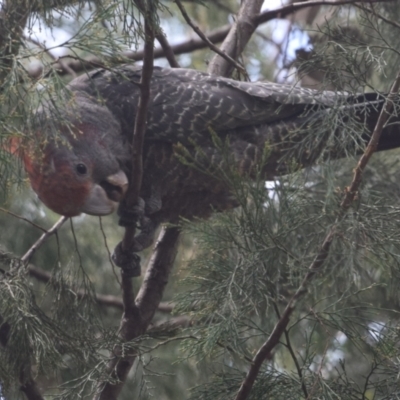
[197,125]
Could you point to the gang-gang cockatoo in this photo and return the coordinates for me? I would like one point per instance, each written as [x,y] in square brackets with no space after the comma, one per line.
[82,156]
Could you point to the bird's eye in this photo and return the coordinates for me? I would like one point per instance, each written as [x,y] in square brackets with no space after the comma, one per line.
[81,169]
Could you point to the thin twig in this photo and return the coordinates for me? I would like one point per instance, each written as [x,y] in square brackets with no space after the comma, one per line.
[28,255]
[293,7]
[101,299]
[205,38]
[135,184]
[378,15]
[296,363]
[233,351]
[108,251]
[170,325]
[168,52]
[78,64]
[323,252]
[41,45]
[294,358]
[75,242]
[318,373]
[374,366]
[22,219]
[170,340]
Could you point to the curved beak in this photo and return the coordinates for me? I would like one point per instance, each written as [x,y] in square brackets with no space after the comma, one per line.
[116,185]
[105,196]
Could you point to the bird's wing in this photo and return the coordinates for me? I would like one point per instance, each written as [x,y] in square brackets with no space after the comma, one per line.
[186,103]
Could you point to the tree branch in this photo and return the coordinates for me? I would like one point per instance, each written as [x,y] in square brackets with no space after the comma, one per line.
[22,219]
[146,303]
[107,300]
[204,37]
[167,49]
[78,64]
[160,266]
[323,252]
[239,35]
[135,183]
[131,323]
[284,11]
[28,255]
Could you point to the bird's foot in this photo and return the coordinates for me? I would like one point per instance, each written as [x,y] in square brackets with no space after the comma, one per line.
[130,216]
[146,236]
[126,258]
[128,261]
[137,217]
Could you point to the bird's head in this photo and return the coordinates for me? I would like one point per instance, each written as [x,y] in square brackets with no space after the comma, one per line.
[78,170]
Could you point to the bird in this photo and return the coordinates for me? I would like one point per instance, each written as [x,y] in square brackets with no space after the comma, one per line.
[79,157]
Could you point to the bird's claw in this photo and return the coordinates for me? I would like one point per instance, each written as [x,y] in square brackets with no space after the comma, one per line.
[137,216]
[128,261]
[146,236]
[132,215]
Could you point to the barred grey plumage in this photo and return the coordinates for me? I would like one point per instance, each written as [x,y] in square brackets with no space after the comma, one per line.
[187,102]
[187,108]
